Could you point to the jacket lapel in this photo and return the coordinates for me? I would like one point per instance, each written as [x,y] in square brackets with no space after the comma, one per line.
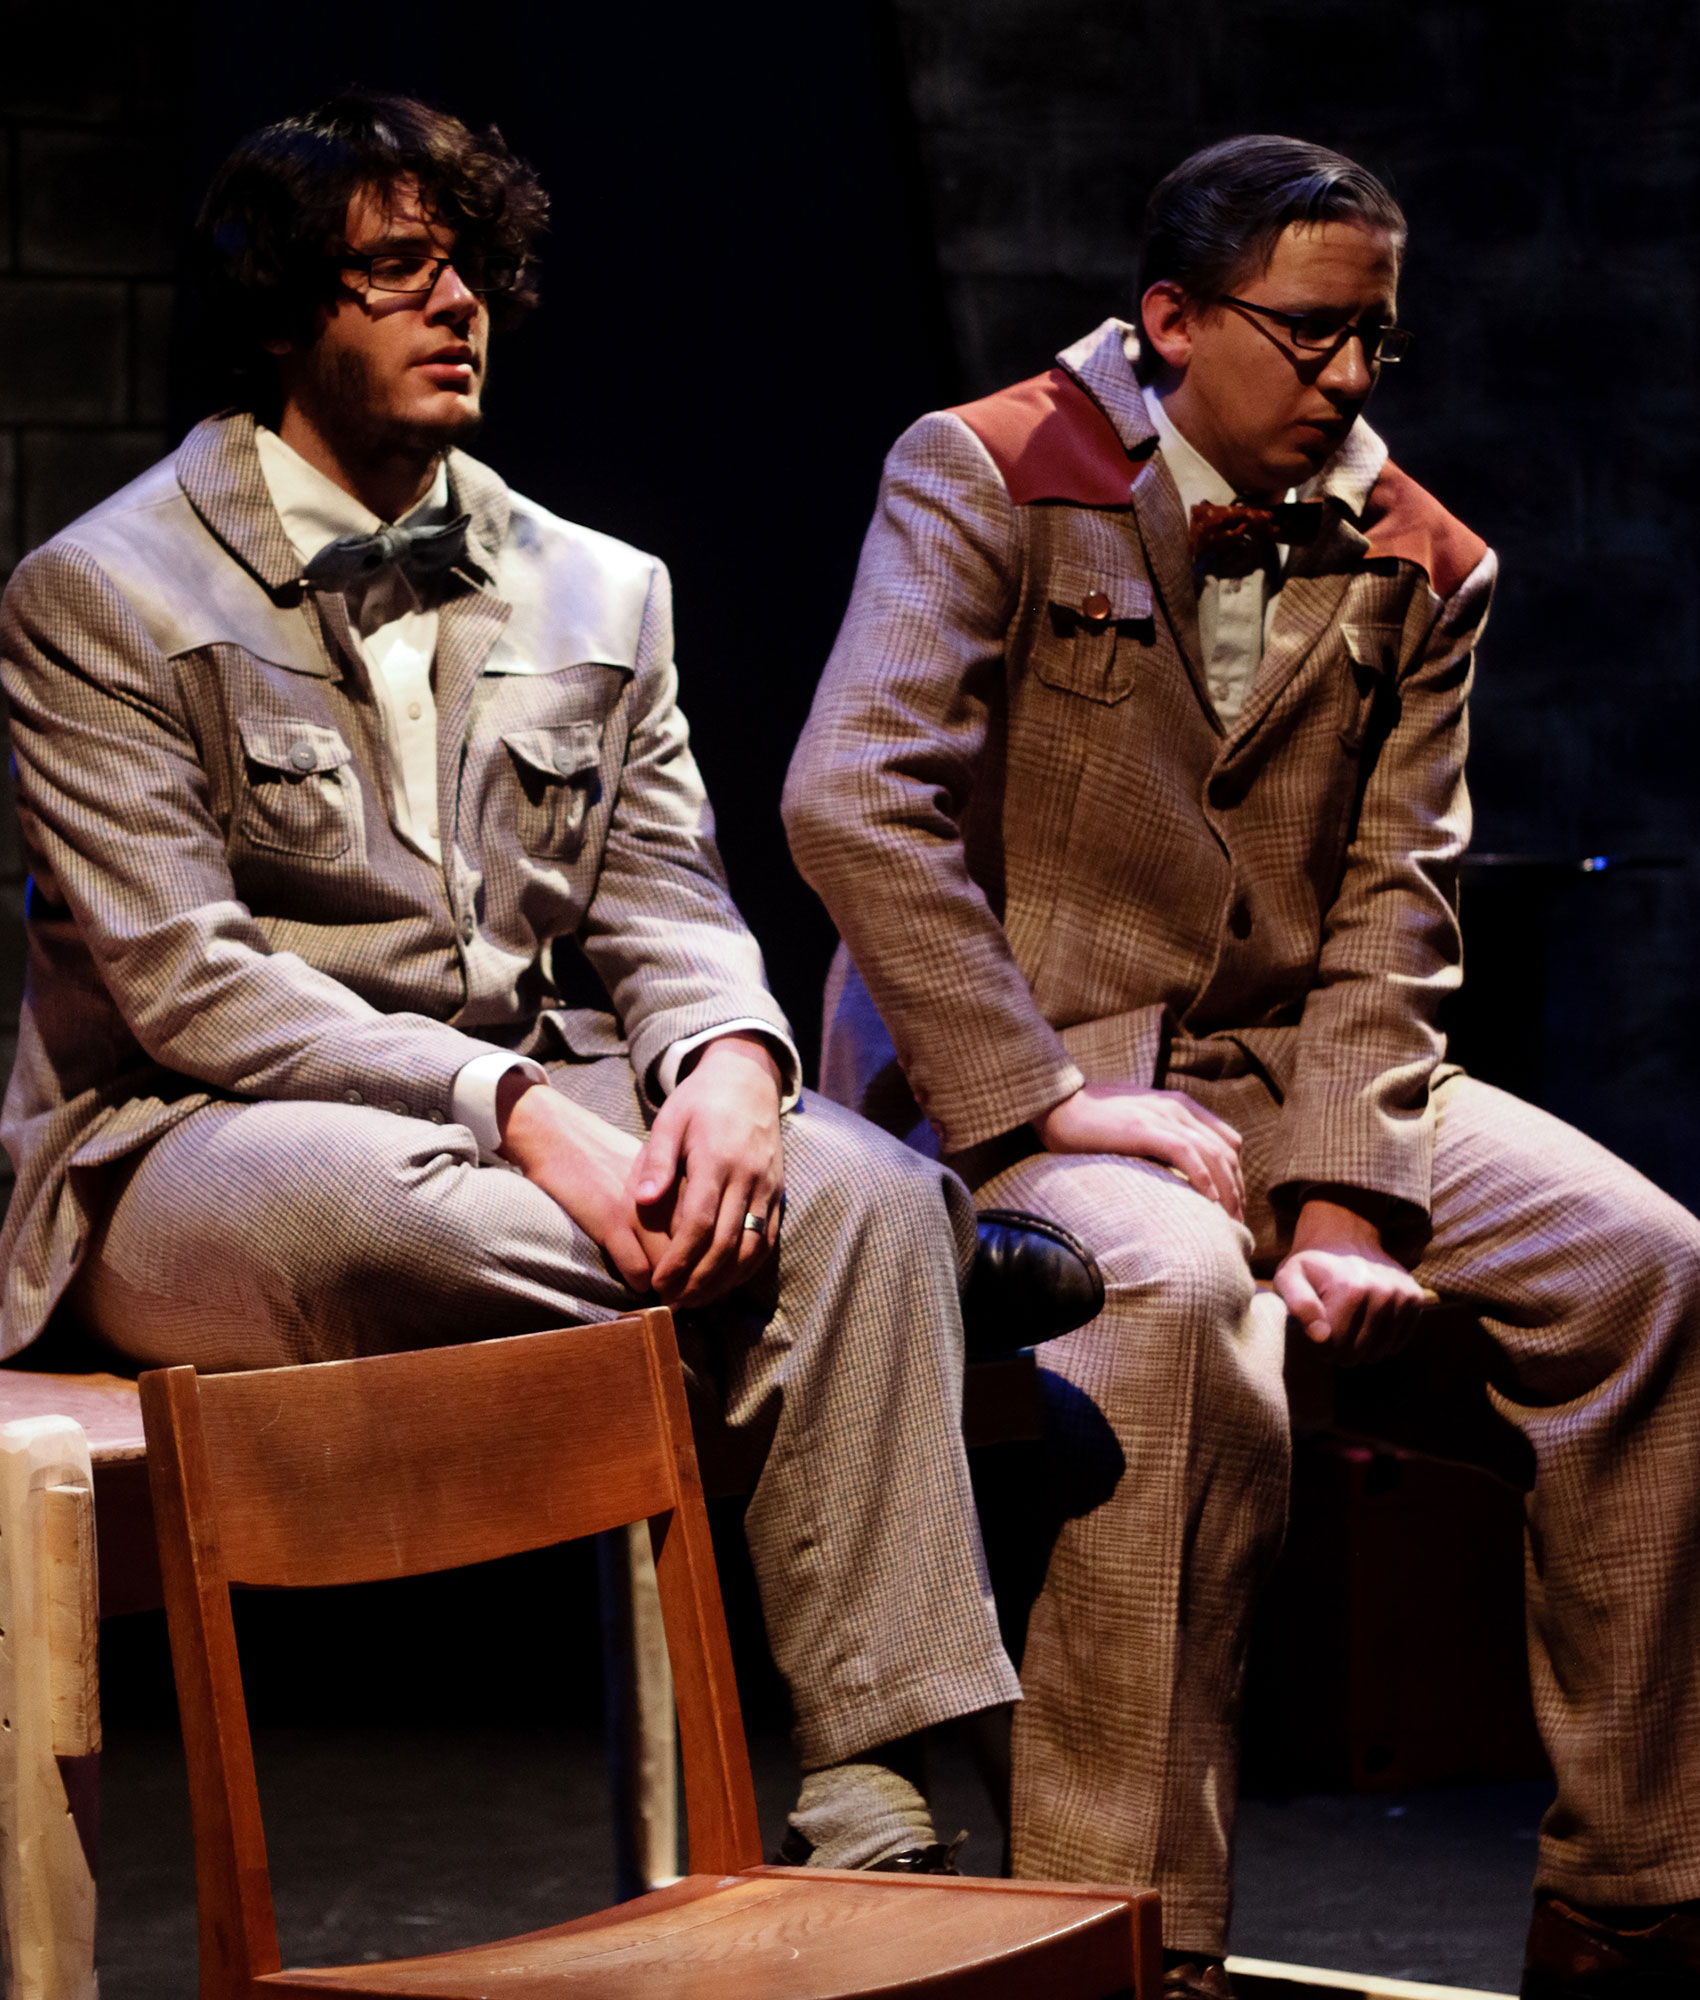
[1316,580]
[470,623]
[218,468]
[1102,364]
[1168,556]
[1317,576]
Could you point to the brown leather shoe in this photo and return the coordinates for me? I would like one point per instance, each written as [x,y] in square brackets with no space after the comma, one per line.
[1187,1978]
[1574,1956]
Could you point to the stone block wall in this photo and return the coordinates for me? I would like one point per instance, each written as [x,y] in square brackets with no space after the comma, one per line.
[1548,156]
[93,107]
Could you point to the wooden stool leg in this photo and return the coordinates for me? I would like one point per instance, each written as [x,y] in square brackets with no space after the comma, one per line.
[642,1727]
[49,1709]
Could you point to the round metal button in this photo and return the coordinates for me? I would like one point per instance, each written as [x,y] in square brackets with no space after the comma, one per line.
[468,927]
[436,1117]
[1095,608]
[354,1097]
[302,757]
[414,711]
[400,1110]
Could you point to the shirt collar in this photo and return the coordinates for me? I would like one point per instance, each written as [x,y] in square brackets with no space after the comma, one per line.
[315,511]
[1347,478]
[1195,477]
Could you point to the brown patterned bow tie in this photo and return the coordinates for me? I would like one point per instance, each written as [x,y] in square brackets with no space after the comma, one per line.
[1238,539]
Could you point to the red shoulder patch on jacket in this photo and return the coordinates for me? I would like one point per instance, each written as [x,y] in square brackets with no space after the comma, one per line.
[1406,522]
[1052,442]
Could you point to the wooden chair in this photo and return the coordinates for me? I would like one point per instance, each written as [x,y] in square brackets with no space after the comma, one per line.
[75,1432]
[395,1465]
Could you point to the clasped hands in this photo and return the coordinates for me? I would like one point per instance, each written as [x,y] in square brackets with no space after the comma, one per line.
[667,1211]
[1338,1280]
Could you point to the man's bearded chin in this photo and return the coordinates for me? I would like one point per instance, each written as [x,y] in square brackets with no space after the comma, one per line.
[353,395]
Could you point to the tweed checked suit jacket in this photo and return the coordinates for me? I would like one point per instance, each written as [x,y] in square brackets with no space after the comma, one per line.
[1048,858]
[219,904]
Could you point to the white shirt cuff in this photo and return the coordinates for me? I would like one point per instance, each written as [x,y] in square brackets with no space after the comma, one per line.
[472,1099]
[667,1069]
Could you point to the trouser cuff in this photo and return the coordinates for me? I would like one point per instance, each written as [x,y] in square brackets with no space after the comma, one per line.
[899,1708]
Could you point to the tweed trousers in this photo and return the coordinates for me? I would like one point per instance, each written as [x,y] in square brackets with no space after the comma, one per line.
[254,1235]
[1170,1414]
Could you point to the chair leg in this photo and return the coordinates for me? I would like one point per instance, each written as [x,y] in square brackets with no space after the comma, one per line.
[642,1728]
[49,1710]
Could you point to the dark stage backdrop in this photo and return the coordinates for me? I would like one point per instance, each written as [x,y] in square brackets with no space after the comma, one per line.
[744,305]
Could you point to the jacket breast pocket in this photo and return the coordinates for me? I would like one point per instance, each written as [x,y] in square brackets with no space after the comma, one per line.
[1371,670]
[1093,632]
[300,793]
[555,771]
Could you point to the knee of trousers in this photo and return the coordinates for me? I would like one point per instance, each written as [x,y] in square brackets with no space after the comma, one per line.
[337,1203]
[850,1179]
[1627,1269]
[1180,1307]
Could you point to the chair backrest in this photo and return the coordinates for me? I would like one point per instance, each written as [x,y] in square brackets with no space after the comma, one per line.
[395,1464]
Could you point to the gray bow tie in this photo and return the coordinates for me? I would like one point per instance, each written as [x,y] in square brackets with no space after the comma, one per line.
[418,553]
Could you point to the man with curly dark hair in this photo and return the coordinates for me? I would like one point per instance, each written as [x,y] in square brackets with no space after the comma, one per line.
[385,985]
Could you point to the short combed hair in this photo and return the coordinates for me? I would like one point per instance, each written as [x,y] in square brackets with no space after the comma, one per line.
[280,202]
[1220,213]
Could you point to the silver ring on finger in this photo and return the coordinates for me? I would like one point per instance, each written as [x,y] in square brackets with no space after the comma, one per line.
[754,1221]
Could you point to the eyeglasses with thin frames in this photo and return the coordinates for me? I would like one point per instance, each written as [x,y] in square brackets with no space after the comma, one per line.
[414,273]
[1322,333]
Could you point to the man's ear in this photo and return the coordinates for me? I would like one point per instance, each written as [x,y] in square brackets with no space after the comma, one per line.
[1167,315]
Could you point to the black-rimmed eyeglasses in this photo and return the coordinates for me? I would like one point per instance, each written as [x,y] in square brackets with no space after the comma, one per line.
[1322,332]
[415,272]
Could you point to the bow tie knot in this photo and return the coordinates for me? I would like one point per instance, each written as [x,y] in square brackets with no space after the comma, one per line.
[1238,539]
[419,553]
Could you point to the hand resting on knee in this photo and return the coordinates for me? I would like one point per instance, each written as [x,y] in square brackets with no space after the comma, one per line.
[1160,1125]
[669,1211]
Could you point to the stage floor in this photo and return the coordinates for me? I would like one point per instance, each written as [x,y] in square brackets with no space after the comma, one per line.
[388,1843]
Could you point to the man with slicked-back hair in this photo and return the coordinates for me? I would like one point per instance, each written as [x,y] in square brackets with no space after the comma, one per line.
[1135,785]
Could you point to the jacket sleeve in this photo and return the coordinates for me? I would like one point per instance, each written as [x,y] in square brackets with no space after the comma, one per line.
[662,930]
[1358,1111]
[113,806]
[881,778]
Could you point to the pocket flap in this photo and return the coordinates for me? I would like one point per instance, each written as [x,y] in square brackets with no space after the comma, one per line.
[1097,599]
[1372,646]
[562,752]
[280,743]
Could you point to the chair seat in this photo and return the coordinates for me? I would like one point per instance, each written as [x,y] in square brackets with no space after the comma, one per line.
[107,1406]
[804,1934]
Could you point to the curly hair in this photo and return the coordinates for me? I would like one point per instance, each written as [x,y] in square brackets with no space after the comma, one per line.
[1220,213]
[278,207]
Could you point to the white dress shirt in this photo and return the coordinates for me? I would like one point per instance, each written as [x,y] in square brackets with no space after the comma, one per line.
[1234,612]
[398,641]
[398,636]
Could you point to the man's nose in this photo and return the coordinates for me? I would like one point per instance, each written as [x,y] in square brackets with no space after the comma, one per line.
[1348,372]
[451,298]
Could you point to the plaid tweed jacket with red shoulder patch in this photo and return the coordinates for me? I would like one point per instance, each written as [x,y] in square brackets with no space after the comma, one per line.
[1049,859]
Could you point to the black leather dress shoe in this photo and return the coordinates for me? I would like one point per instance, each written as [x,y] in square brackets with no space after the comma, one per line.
[1576,1955]
[938,1857]
[1187,1978]
[1032,1281]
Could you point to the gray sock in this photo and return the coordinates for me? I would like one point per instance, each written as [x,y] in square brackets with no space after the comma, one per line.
[857,1814]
